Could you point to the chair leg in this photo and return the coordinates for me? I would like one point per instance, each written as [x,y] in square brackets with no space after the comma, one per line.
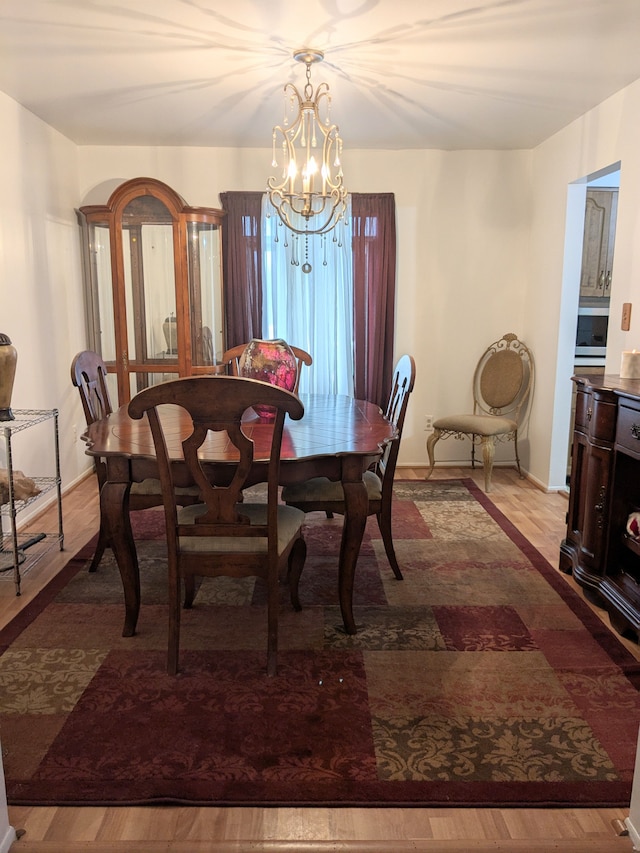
[189,591]
[431,443]
[174,620]
[515,444]
[273,603]
[384,524]
[297,558]
[103,541]
[488,452]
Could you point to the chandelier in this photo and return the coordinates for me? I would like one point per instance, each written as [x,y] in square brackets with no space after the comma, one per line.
[309,195]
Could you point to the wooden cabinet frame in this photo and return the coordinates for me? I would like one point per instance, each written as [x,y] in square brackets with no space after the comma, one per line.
[191,283]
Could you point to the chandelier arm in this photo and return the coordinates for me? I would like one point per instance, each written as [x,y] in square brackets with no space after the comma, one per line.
[334,213]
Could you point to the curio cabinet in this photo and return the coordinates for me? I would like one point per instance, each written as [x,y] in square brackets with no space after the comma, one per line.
[153,277]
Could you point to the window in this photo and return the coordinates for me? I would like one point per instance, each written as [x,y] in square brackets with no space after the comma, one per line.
[313,310]
[372,309]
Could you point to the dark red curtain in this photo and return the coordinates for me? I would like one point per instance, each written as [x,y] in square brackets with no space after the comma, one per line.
[374,281]
[242,267]
[374,274]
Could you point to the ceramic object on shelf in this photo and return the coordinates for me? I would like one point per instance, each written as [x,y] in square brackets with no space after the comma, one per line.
[170,332]
[8,360]
[269,361]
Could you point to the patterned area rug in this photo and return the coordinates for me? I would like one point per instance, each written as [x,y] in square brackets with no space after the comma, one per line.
[481,679]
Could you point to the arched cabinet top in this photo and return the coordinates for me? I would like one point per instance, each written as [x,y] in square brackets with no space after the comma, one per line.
[140,187]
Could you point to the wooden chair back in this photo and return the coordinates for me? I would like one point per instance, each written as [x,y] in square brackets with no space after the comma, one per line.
[222,535]
[404,377]
[89,375]
[320,493]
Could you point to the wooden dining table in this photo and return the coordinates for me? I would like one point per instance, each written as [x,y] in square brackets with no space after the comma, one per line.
[338,437]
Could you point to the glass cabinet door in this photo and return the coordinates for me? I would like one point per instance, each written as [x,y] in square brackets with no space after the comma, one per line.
[153,269]
[205,293]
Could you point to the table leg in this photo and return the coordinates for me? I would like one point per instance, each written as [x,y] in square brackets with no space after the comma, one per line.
[114,506]
[355,519]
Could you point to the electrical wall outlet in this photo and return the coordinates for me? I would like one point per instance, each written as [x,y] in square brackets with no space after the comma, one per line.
[625,325]
[428,423]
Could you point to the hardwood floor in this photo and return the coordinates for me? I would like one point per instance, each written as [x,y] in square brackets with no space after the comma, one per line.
[541,518]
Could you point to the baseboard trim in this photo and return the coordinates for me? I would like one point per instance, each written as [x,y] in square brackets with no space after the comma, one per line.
[8,840]
[600,844]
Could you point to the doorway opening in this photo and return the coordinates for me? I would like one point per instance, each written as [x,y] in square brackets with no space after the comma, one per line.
[586,292]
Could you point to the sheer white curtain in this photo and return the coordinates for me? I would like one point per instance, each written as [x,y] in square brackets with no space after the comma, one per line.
[311,310]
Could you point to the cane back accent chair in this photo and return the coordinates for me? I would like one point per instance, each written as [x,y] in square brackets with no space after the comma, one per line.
[502,384]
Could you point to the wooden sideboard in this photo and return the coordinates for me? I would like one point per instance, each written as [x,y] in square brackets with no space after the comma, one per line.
[604,490]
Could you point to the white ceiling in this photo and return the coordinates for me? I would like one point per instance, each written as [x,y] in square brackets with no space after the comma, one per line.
[447,74]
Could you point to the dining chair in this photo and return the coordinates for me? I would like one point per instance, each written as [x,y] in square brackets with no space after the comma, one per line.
[502,384]
[231,358]
[89,375]
[223,536]
[322,494]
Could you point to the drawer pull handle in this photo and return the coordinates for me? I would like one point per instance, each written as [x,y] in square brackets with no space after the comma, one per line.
[635,431]
[589,413]
[599,507]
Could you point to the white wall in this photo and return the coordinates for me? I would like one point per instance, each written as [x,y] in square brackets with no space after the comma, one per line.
[600,138]
[37,261]
[41,305]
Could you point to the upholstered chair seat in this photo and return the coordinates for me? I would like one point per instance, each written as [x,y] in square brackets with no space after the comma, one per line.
[476,424]
[323,491]
[290,520]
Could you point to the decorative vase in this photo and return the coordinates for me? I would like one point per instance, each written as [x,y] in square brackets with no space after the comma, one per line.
[269,361]
[170,332]
[8,359]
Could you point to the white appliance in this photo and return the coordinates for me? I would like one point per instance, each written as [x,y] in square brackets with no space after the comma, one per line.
[591,334]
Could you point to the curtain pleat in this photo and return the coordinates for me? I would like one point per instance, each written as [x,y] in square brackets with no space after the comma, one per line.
[374,280]
[242,268]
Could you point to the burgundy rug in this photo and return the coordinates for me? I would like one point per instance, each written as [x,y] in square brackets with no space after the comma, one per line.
[482,679]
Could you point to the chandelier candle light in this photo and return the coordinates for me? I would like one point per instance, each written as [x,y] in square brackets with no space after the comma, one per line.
[309,196]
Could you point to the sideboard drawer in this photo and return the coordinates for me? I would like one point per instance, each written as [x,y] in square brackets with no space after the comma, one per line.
[601,416]
[583,400]
[628,431]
